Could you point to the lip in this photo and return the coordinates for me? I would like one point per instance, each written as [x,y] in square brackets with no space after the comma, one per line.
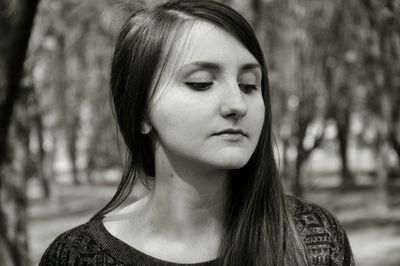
[231,131]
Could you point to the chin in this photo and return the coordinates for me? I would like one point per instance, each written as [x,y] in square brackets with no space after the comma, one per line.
[231,162]
[232,158]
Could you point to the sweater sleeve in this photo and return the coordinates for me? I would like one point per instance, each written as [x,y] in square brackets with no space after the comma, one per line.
[75,247]
[57,250]
[324,237]
[340,251]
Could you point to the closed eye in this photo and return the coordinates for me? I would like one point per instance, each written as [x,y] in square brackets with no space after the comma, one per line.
[199,86]
[248,88]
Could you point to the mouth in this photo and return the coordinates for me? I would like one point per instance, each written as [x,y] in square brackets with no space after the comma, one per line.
[231,131]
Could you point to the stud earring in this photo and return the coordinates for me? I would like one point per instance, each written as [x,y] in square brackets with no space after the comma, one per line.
[146,128]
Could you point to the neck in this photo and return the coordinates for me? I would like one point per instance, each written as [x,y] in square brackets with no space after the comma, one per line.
[185,200]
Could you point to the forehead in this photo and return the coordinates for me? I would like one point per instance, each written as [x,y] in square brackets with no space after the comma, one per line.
[205,42]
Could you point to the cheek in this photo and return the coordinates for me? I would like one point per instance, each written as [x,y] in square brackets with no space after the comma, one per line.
[257,121]
[258,114]
[176,115]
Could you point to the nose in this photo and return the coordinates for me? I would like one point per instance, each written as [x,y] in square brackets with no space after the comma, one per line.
[233,104]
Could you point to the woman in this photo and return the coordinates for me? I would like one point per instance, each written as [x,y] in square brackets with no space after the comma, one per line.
[190,91]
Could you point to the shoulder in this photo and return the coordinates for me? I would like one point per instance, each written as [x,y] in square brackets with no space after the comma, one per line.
[321,232]
[73,247]
[309,215]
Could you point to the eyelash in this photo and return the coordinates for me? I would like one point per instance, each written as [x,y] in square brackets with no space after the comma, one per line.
[247,88]
[201,86]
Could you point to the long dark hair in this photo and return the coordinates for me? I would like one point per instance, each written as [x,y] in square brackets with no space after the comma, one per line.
[258,228]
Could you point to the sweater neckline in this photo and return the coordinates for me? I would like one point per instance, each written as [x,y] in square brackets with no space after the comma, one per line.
[128,254]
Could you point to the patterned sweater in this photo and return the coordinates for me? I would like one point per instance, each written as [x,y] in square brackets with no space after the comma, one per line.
[92,244]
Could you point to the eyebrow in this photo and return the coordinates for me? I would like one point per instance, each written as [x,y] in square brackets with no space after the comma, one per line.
[215,66]
[251,66]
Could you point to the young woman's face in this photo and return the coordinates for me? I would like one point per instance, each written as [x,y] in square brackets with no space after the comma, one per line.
[208,108]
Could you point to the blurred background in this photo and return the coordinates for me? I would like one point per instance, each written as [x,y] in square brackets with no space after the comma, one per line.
[334,69]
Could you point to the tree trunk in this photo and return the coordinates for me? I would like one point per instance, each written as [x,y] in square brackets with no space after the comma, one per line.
[386,92]
[91,154]
[342,118]
[18,183]
[304,153]
[67,117]
[89,171]
[50,162]
[382,171]
[297,186]
[395,143]
[285,172]
[37,120]
[16,21]
[72,137]
[6,246]
[394,131]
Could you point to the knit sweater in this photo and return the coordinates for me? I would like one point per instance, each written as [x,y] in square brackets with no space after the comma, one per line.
[91,243]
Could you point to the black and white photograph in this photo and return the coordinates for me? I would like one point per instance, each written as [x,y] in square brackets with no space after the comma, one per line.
[200,133]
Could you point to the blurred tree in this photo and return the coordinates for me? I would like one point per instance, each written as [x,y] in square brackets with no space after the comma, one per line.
[70,94]
[310,114]
[339,58]
[41,153]
[16,21]
[295,32]
[382,56]
[71,58]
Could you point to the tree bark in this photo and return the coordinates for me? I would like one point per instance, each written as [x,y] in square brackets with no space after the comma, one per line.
[18,184]
[16,22]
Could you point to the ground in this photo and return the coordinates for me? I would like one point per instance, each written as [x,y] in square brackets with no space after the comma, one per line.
[374,231]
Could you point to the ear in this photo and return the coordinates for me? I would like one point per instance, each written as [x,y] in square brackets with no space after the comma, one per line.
[145,128]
